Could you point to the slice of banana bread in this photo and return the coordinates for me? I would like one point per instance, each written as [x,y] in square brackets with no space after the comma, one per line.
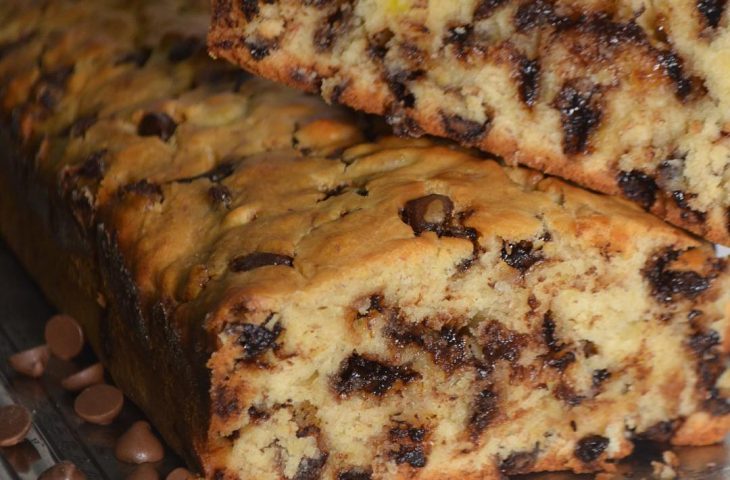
[287,293]
[627,97]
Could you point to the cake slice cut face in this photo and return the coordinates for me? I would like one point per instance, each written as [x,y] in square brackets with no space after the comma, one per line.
[627,97]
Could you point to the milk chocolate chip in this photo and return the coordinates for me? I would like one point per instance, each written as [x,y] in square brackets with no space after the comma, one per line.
[63,471]
[179,474]
[14,424]
[139,445]
[64,336]
[157,124]
[590,448]
[144,472]
[361,374]
[429,213]
[99,404]
[21,456]
[31,362]
[92,375]
[254,260]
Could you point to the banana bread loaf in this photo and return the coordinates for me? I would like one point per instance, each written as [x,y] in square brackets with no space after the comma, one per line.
[625,97]
[289,293]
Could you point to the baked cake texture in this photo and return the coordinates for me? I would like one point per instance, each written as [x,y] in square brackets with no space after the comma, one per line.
[289,293]
[626,97]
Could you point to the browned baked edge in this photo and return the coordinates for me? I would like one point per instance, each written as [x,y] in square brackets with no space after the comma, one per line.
[82,273]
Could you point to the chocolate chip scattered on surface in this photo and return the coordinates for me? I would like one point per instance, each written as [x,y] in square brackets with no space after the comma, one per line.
[180,474]
[32,362]
[86,377]
[15,422]
[99,404]
[139,445]
[63,471]
[144,472]
[64,336]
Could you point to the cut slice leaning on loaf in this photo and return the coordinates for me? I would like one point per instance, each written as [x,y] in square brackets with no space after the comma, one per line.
[624,97]
[289,294]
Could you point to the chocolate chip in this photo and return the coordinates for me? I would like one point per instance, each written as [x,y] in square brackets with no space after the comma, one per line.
[661,432]
[567,394]
[638,187]
[31,362]
[402,124]
[257,415]
[361,374]
[378,44]
[250,8]
[520,255]
[688,213]
[220,195]
[712,10]
[310,468]
[225,403]
[600,376]
[674,68]
[180,474]
[501,343]
[333,27]
[534,14]
[413,455]
[216,174]
[333,192]
[21,456]
[529,80]
[251,261]
[466,132]
[93,167]
[518,463]
[667,283]
[64,336]
[15,423]
[184,48]
[138,57]
[144,472]
[447,346]
[139,445]
[580,113]
[485,8]
[258,49]
[92,375]
[143,188]
[429,213]
[355,474]
[590,448]
[560,360]
[99,404]
[157,124]
[548,332]
[461,37]
[405,431]
[256,339]
[63,471]
[484,410]
[79,127]
[701,342]
[397,82]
